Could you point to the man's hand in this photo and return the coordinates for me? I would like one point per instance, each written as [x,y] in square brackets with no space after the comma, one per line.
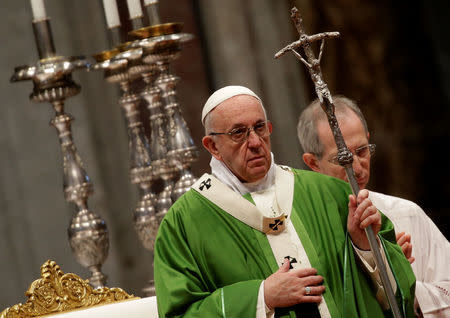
[404,240]
[286,287]
[360,216]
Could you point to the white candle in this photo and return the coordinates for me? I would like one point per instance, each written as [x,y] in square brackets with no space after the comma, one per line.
[111,13]
[149,2]
[135,9]
[37,6]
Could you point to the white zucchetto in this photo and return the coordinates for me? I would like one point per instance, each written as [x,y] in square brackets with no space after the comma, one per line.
[222,95]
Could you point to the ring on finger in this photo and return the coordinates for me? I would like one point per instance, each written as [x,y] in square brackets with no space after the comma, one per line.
[307,290]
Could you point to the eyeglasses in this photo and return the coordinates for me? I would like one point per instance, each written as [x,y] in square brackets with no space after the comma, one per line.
[240,134]
[363,152]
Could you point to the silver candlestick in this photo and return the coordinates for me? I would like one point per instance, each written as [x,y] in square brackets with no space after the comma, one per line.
[162,44]
[182,151]
[162,142]
[125,68]
[51,76]
[151,94]
[137,61]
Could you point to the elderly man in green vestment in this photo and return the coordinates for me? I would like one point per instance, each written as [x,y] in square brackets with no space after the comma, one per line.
[255,239]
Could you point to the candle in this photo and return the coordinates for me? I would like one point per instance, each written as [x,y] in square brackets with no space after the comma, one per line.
[149,2]
[37,6]
[135,9]
[152,11]
[111,13]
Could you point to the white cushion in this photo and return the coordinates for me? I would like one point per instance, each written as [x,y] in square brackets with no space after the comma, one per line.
[142,307]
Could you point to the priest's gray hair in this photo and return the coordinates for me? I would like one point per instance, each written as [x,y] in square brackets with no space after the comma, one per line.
[313,113]
[209,119]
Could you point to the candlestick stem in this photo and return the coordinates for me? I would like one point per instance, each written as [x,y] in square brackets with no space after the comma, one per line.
[137,23]
[88,234]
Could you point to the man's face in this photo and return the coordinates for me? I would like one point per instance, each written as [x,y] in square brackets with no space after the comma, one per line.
[355,137]
[249,160]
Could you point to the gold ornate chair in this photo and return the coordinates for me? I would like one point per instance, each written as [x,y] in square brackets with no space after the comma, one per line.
[68,295]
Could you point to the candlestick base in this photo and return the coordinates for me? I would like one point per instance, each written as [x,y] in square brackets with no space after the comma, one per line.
[157,30]
[105,55]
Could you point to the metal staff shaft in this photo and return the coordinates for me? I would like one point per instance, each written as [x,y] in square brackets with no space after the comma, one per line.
[345,156]
[347,162]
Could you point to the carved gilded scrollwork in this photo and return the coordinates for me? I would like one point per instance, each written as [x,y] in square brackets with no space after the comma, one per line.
[58,292]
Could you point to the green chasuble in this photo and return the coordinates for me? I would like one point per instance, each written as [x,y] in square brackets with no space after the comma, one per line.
[209,264]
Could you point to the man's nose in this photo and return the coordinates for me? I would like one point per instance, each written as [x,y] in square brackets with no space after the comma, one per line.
[253,139]
[357,167]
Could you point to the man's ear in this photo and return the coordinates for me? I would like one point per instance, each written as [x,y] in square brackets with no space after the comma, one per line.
[210,145]
[311,161]
[270,126]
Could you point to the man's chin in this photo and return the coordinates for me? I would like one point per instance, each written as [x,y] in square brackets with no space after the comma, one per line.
[257,173]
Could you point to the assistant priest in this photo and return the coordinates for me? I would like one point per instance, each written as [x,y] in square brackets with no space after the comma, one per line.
[255,239]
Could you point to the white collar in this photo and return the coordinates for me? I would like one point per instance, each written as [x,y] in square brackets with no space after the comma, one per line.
[224,174]
[242,209]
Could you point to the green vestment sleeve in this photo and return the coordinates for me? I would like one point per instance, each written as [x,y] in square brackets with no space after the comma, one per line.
[185,287]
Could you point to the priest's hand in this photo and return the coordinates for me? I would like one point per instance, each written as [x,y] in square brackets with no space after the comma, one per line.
[360,216]
[404,240]
[287,287]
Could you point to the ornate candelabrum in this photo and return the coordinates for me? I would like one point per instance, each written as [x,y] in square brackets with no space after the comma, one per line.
[161,44]
[51,76]
[181,149]
[170,150]
[151,94]
[125,68]
[123,65]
